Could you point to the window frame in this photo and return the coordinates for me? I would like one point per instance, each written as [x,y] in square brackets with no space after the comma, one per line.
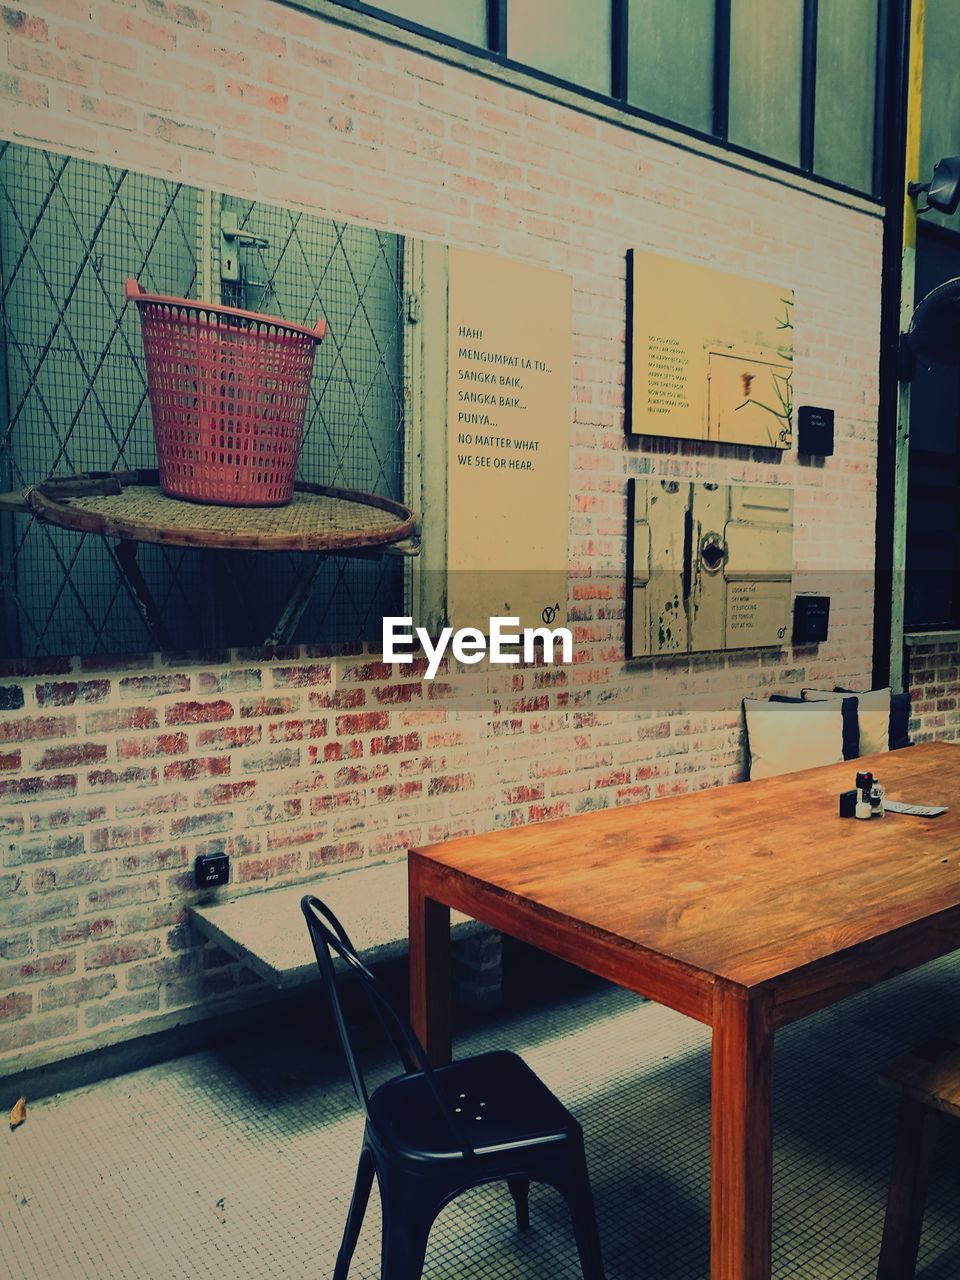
[496,53]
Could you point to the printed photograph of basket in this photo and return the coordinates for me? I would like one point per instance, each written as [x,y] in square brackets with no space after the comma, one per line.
[228,396]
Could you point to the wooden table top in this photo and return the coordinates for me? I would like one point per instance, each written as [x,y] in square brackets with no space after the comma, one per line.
[749,882]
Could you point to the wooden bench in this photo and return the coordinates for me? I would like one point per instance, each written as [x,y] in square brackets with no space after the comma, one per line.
[266,931]
[928,1079]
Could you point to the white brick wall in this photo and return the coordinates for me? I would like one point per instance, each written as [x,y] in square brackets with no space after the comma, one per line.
[113,777]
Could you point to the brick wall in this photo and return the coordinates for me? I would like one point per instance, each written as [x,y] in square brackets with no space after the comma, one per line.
[934,681]
[114,775]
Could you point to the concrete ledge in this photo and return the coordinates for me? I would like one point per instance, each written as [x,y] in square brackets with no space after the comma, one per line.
[923,639]
[266,930]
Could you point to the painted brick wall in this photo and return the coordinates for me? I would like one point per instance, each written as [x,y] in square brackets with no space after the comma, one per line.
[115,774]
[934,680]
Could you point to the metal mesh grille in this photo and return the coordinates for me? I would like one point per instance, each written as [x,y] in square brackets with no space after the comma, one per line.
[352,435]
[73,398]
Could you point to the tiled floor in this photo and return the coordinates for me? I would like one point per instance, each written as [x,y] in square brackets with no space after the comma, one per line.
[239,1163]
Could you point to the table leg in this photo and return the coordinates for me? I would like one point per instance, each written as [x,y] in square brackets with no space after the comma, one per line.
[429,969]
[741,1163]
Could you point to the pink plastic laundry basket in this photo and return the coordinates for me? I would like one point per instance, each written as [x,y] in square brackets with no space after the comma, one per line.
[228,395]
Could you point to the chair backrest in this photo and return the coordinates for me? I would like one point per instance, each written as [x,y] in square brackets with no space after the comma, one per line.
[330,939]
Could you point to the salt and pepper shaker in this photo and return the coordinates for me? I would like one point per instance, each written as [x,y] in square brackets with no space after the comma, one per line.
[869,797]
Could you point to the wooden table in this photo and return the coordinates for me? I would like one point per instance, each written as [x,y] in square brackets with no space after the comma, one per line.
[745,907]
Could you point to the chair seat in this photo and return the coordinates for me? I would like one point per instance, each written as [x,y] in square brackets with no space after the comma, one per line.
[928,1079]
[498,1101]
[929,1073]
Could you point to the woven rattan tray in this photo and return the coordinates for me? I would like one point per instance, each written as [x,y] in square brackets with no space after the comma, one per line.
[130,505]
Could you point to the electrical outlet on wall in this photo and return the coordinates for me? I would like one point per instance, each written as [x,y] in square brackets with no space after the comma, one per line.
[211,869]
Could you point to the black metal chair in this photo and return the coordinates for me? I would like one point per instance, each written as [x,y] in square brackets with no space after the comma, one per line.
[432,1133]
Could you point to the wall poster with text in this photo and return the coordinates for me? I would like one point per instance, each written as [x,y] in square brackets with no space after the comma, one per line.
[508,440]
[709,566]
[710,354]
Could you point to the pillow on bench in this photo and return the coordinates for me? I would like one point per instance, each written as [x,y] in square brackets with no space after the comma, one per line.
[899,733]
[783,737]
[873,716]
[851,723]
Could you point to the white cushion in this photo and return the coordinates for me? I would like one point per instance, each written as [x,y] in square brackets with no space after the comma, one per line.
[784,737]
[873,713]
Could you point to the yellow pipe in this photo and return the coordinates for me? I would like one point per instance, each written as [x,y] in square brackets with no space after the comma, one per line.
[908,262]
[918,13]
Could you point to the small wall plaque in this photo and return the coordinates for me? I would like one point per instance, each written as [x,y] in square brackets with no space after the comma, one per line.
[811,617]
[815,431]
